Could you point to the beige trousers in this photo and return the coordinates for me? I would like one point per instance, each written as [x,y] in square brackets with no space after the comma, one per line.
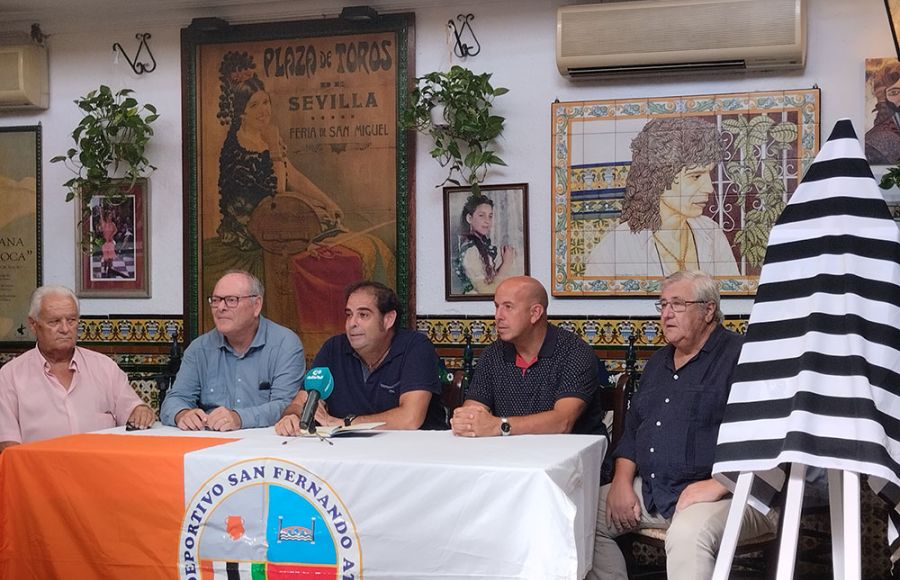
[692,540]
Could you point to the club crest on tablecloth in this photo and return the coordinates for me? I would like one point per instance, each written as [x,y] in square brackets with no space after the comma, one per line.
[303,528]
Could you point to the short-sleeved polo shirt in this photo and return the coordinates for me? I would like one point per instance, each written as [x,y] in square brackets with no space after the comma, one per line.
[565,367]
[410,365]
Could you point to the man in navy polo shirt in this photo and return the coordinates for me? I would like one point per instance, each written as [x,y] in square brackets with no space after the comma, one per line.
[381,372]
[537,378]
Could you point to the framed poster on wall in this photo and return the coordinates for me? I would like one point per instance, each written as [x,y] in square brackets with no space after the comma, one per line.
[295,168]
[20,229]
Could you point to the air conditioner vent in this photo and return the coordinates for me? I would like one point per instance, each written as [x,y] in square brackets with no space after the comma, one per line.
[23,77]
[679,35]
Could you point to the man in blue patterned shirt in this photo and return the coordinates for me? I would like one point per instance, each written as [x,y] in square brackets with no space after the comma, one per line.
[663,463]
[241,374]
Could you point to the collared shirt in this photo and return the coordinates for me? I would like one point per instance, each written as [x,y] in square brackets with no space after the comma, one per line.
[34,405]
[673,423]
[410,365]
[565,367]
[257,384]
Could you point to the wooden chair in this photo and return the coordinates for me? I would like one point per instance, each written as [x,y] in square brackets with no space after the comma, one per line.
[765,545]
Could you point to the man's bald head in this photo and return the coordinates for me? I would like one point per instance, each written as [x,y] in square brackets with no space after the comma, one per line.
[521,309]
[528,289]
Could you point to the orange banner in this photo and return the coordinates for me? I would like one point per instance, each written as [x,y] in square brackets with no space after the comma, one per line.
[94,506]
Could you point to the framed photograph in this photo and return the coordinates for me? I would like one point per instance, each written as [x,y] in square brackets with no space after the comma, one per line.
[882,96]
[485,239]
[645,187]
[113,249]
[20,229]
[295,167]
[893,12]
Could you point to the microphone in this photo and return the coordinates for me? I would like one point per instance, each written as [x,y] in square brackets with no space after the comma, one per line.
[319,383]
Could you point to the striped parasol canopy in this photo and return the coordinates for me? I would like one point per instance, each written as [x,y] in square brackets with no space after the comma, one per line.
[818,379]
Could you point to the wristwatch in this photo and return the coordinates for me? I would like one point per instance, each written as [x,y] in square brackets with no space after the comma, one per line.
[504,426]
[348,420]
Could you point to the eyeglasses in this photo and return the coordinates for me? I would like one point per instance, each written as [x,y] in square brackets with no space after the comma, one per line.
[230,301]
[677,305]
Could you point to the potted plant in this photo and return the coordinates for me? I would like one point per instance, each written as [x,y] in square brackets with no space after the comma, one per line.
[454,108]
[891,178]
[110,142]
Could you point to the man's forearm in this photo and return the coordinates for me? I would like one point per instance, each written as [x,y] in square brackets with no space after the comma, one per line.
[625,471]
[292,409]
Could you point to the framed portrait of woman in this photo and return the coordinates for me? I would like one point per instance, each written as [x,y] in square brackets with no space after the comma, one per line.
[295,167]
[485,239]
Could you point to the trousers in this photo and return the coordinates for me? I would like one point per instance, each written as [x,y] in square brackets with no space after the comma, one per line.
[692,538]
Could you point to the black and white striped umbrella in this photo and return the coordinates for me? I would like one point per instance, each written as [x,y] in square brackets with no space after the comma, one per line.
[818,379]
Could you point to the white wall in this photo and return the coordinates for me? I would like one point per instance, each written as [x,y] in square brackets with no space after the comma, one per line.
[517,39]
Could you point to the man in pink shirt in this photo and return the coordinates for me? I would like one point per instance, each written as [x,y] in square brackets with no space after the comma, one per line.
[58,388]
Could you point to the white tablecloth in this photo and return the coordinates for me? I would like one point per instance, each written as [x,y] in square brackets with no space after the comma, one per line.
[429,504]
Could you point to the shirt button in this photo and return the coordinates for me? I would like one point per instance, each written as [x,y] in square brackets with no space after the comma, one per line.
[675,377]
[658,423]
[652,450]
[652,476]
[667,399]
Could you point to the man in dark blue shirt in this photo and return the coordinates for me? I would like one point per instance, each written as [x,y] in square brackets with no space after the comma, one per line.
[381,373]
[663,463]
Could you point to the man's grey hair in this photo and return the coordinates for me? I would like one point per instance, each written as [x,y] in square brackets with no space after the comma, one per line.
[37,298]
[705,288]
[256,286]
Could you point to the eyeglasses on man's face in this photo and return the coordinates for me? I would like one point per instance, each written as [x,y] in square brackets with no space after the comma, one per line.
[230,301]
[677,305]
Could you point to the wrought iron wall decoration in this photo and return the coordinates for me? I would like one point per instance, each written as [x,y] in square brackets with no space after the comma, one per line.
[460,48]
[137,65]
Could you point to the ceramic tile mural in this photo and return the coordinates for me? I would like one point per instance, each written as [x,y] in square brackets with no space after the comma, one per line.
[646,187]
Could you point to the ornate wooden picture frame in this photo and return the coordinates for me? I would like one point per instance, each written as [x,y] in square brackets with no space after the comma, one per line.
[295,168]
[113,245]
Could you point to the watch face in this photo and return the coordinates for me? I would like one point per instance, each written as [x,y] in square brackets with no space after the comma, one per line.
[504,426]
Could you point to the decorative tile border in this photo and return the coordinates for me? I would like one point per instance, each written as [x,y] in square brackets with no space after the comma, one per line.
[598,332]
[138,330]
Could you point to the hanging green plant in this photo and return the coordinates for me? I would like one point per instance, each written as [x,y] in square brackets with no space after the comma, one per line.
[891,178]
[454,108]
[110,142]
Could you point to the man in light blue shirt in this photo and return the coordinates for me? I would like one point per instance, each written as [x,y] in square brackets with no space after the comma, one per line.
[243,373]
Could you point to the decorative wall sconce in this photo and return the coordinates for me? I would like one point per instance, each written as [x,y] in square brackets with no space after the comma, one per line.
[136,65]
[460,48]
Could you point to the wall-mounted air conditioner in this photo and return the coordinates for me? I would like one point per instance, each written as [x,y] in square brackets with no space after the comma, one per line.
[23,77]
[653,36]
